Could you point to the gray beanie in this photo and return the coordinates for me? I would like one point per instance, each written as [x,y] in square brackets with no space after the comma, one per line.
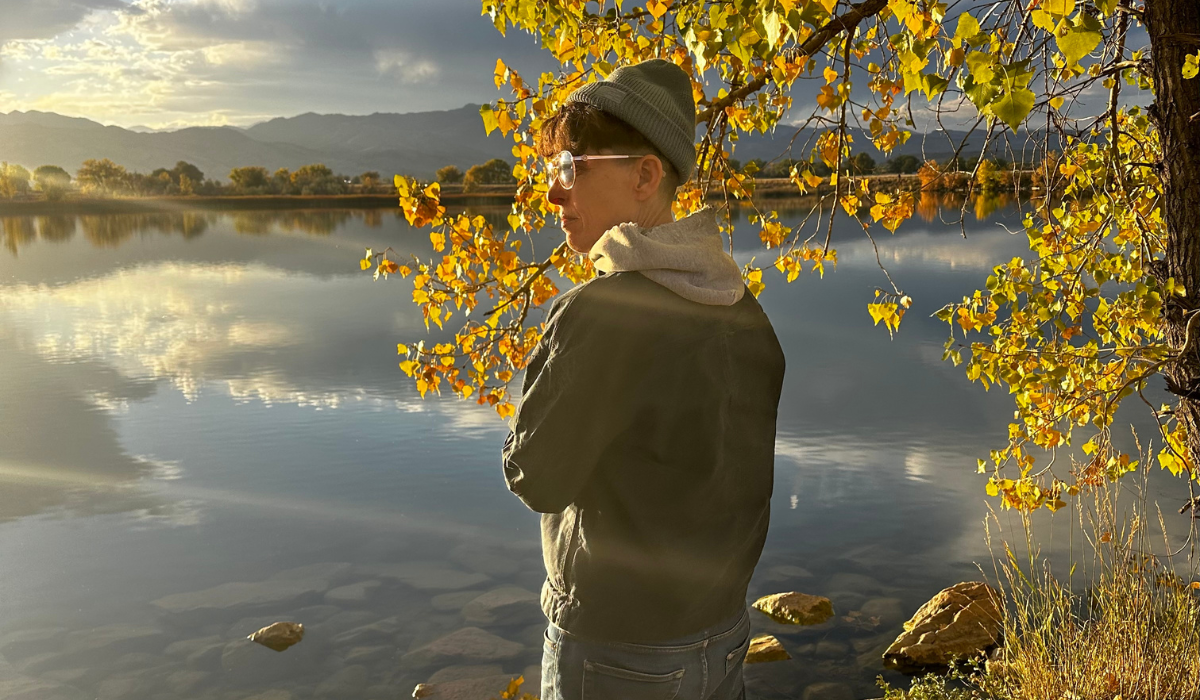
[655,98]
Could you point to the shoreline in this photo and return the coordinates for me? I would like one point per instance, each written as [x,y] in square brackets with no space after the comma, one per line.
[765,188]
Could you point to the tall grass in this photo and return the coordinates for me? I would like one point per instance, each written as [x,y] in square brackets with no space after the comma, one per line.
[1133,633]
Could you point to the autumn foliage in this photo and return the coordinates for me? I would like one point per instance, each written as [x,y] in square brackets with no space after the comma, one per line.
[1070,331]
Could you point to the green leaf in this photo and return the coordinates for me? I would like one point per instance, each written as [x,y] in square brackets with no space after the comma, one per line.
[1014,106]
[980,65]
[980,94]
[1078,42]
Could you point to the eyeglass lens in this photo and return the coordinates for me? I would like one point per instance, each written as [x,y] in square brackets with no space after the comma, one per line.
[565,169]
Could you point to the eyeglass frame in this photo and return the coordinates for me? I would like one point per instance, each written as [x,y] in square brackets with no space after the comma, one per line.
[555,168]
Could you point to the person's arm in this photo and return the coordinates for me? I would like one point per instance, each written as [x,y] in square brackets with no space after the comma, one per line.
[579,396]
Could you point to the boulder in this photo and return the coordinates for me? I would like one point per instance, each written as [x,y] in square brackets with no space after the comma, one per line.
[795,608]
[469,644]
[279,635]
[764,648]
[961,621]
[504,606]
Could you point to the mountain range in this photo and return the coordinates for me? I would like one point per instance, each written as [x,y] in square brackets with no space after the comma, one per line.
[415,143]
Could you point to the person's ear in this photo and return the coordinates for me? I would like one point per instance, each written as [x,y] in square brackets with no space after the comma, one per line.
[648,173]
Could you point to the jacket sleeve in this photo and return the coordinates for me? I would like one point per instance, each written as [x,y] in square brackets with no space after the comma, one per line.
[579,396]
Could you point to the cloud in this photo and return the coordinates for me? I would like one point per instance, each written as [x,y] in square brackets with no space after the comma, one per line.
[45,19]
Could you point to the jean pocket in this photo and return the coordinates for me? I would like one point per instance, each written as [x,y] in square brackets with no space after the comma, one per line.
[737,656]
[602,682]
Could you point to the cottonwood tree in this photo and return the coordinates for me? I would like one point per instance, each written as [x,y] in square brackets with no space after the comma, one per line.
[1106,299]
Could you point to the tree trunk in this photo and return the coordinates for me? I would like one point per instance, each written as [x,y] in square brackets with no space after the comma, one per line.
[1174,29]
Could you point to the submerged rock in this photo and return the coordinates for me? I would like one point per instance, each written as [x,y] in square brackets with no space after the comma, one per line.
[458,672]
[352,593]
[961,621]
[469,644]
[504,606]
[279,636]
[795,608]
[828,691]
[468,688]
[765,648]
[428,576]
[242,597]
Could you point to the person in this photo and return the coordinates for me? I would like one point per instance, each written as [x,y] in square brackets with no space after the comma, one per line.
[646,429]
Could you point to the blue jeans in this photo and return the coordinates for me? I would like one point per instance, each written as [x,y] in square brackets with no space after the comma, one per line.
[702,666]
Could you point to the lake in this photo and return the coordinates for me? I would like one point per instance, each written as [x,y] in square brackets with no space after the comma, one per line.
[203,430]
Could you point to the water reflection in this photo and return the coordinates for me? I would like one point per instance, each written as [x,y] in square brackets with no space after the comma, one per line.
[113,230]
[235,372]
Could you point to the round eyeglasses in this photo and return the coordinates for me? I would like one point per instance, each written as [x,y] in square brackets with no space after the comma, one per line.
[562,166]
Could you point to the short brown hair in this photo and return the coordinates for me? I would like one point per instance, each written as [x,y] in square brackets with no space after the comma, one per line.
[579,127]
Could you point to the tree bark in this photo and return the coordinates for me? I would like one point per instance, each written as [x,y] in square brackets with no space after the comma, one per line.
[1174,30]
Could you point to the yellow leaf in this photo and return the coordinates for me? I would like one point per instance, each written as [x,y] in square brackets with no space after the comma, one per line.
[1191,65]
[501,69]
[364,263]
[657,7]
[811,179]
[401,349]
[408,366]
[1056,102]
[1061,8]
[505,410]
[830,74]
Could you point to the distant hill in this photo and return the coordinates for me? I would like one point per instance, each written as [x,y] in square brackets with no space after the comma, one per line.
[416,143]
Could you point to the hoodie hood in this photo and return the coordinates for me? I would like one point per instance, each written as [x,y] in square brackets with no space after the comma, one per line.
[687,256]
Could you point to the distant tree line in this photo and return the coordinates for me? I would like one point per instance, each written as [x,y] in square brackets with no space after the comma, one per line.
[102,177]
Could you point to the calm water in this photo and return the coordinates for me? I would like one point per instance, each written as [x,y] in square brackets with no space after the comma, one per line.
[195,399]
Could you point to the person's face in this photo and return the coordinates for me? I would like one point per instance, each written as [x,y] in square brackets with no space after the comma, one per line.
[604,195]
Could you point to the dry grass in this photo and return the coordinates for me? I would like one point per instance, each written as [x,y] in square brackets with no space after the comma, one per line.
[1132,634]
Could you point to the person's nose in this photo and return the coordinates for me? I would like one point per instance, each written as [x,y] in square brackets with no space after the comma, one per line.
[557,194]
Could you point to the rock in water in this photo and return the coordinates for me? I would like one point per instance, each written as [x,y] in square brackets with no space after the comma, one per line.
[764,648]
[795,608]
[279,635]
[959,622]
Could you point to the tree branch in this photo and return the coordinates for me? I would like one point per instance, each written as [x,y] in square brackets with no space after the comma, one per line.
[811,45]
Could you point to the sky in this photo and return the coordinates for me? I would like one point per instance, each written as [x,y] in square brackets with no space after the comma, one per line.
[174,63]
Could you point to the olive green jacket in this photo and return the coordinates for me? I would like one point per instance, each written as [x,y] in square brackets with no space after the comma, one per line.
[645,436]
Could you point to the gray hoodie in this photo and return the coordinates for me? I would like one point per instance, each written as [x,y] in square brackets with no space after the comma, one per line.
[686,256]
